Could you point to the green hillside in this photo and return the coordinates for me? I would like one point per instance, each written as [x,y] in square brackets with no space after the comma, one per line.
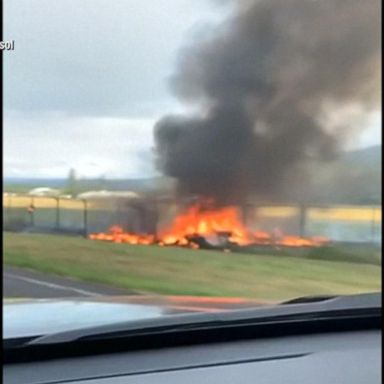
[353,178]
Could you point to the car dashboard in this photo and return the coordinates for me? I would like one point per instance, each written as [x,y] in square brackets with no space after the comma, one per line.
[338,357]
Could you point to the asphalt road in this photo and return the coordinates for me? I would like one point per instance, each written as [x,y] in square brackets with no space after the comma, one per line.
[27,284]
[22,283]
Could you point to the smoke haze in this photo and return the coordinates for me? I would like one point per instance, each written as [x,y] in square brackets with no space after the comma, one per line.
[264,85]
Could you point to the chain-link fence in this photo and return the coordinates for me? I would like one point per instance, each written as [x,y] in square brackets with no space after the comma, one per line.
[76,216]
[81,217]
[338,223]
[26,213]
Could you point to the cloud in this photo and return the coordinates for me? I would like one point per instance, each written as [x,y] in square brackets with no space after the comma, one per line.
[373,134]
[49,147]
[95,57]
[87,80]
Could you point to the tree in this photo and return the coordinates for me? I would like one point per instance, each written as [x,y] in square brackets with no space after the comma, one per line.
[101,182]
[72,184]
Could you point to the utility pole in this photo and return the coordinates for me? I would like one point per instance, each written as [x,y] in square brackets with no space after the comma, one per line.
[57,212]
[302,220]
[85,219]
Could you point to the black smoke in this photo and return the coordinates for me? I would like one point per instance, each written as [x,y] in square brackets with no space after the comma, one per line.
[263,84]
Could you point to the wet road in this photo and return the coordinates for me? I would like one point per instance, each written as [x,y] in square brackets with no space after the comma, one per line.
[26,284]
[22,283]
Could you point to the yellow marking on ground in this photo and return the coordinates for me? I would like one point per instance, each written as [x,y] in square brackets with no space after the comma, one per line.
[345,214]
[366,214]
[278,211]
[45,202]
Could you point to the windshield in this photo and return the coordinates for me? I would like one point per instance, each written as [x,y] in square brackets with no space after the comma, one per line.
[166,157]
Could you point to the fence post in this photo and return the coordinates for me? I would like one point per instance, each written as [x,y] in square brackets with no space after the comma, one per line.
[373,226]
[156,217]
[57,212]
[303,220]
[85,218]
[31,211]
[8,215]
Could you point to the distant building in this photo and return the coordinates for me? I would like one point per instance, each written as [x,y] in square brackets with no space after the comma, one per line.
[107,195]
[65,196]
[8,194]
[44,191]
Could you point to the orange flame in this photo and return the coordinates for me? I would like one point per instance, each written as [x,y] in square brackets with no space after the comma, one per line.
[208,223]
[117,235]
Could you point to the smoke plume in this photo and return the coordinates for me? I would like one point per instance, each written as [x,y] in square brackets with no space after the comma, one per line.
[264,85]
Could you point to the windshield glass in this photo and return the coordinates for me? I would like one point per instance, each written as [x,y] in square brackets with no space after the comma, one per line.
[177,156]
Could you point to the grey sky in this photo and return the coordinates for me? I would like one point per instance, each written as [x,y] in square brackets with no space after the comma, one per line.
[88,78]
[95,57]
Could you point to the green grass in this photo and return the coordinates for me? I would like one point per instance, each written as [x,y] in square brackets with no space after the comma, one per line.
[188,272]
[356,253]
[364,254]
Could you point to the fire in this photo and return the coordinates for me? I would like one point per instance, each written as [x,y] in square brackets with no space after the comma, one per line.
[198,221]
[221,226]
[117,235]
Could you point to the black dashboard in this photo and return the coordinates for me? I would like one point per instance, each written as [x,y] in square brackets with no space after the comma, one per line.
[339,357]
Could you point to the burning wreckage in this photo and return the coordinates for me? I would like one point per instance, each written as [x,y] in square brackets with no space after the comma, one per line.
[272,90]
[204,226]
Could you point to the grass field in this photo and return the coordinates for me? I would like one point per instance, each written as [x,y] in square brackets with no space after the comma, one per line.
[188,272]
